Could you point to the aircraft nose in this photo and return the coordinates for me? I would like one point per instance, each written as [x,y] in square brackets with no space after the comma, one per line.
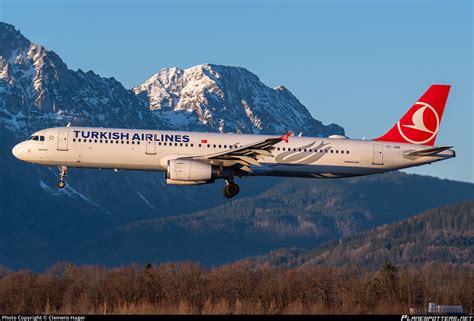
[18,150]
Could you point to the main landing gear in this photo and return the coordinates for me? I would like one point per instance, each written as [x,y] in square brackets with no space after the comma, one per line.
[62,175]
[231,189]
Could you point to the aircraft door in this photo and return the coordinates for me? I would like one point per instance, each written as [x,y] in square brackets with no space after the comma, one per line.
[150,147]
[378,154]
[63,140]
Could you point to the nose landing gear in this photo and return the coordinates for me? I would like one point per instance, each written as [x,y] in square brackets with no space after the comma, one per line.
[231,189]
[62,174]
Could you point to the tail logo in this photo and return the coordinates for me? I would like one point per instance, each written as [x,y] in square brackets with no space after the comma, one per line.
[423,127]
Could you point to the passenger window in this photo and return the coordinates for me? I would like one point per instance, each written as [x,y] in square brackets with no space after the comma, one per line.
[337,151]
[73,139]
[347,152]
[192,145]
[332,151]
[199,145]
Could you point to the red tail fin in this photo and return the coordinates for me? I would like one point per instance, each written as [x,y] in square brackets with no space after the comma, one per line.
[420,124]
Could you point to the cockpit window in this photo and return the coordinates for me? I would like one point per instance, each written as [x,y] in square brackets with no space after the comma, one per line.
[37,138]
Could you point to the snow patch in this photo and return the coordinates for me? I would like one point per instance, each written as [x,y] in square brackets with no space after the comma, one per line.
[254,119]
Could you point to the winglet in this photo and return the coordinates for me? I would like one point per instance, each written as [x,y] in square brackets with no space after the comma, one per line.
[285,137]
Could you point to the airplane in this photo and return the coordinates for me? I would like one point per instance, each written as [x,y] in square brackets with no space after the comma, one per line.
[195,158]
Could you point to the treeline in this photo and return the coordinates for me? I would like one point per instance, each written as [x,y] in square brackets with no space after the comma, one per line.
[442,234]
[239,288]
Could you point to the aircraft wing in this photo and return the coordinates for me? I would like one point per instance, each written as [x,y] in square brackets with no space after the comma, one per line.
[243,157]
[429,151]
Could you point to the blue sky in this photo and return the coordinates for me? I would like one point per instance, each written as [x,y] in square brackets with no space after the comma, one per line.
[360,64]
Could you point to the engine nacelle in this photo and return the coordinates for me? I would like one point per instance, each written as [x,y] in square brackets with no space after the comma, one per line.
[190,170]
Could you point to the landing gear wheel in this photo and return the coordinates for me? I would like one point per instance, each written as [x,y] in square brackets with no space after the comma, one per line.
[62,175]
[231,189]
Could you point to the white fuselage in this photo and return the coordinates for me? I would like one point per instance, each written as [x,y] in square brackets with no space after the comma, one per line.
[135,149]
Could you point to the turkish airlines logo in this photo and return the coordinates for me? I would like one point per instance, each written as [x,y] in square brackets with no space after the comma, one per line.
[421,126]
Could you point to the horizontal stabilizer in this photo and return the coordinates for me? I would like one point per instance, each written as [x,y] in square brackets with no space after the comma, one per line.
[429,151]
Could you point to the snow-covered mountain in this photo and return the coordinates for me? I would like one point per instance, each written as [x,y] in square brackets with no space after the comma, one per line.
[38,90]
[226,99]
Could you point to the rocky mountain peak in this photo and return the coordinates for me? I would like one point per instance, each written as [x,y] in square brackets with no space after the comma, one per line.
[38,90]
[226,99]
[11,39]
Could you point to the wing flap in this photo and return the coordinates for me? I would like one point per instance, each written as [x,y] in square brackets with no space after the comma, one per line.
[246,155]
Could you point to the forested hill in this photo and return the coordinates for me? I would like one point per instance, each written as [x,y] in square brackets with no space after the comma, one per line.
[444,234]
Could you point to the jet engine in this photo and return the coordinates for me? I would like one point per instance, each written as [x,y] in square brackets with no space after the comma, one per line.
[190,172]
